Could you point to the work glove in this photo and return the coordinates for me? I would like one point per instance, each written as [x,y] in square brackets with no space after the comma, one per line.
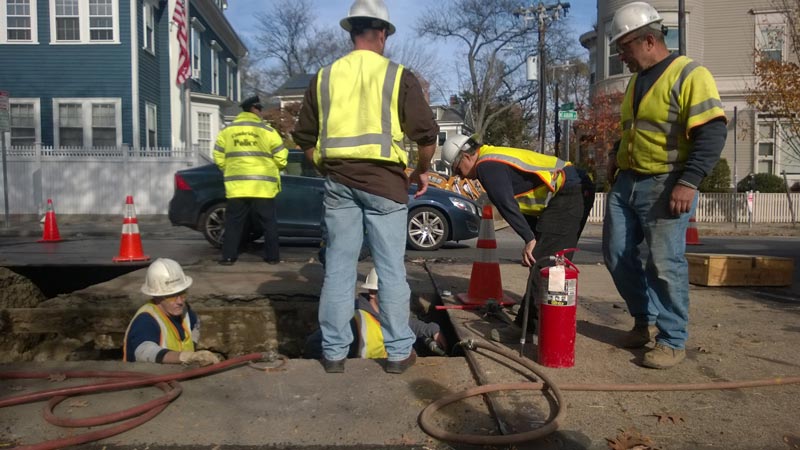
[202,357]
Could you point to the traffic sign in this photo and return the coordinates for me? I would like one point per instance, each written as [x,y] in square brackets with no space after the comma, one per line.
[568,115]
[567,106]
[5,113]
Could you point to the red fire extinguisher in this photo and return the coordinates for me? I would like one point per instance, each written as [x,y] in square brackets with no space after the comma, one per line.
[557,312]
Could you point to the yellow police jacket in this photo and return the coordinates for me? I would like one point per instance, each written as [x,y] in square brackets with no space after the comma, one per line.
[250,154]
[169,337]
[358,103]
[548,168]
[656,140]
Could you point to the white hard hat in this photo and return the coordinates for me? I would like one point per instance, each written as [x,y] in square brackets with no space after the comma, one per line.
[165,277]
[372,280]
[368,9]
[631,17]
[452,147]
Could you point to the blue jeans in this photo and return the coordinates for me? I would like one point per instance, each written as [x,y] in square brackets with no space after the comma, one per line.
[348,212]
[656,289]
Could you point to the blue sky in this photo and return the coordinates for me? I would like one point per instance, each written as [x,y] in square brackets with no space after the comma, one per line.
[402,13]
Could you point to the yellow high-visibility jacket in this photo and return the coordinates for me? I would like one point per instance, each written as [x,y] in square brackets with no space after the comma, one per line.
[357,99]
[657,140]
[251,154]
[548,168]
[170,338]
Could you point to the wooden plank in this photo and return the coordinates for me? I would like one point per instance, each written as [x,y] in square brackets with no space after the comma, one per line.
[707,269]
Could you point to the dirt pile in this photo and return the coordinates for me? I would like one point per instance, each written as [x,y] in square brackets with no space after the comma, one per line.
[17,291]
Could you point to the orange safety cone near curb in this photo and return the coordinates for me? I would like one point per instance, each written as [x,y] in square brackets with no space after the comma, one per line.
[484,281]
[692,236]
[130,246]
[50,233]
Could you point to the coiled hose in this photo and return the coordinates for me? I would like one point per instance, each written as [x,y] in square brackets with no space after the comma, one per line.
[114,381]
[426,416]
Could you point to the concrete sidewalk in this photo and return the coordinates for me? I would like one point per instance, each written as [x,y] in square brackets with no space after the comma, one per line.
[735,334]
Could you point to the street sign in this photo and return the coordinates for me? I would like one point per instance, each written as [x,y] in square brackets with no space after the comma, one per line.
[5,112]
[568,115]
[567,106]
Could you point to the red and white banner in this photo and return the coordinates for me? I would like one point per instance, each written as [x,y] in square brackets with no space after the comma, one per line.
[184,62]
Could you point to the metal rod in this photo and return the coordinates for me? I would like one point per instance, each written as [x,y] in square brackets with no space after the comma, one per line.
[682,27]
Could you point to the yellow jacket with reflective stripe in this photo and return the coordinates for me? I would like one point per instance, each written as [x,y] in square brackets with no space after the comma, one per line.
[657,140]
[357,99]
[250,154]
[169,338]
[370,344]
[548,168]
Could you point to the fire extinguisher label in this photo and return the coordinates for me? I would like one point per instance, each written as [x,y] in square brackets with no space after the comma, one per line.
[555,282]
[564,297]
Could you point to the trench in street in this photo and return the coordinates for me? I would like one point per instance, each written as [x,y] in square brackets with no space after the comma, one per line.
[294,317]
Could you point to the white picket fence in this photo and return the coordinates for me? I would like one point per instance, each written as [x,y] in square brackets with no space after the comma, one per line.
[92,180]
[97,180]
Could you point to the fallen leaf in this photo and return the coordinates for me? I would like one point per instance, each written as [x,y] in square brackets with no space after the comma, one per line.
[57,377]
[630,439]
[668,418]
[79,403]
[792,441]
[702,349]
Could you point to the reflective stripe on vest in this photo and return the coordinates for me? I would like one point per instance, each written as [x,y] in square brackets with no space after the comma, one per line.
[366,83]
[656,140]
[169,337]
[371,336]
[548,168]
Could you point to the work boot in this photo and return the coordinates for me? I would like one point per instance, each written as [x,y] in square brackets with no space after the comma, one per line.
[402,365]
[336,366]
[509,334]
[663,357]
[638,336]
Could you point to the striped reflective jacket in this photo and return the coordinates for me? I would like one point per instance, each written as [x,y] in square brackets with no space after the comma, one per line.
[357,98]
[548,168]
[169,338]
[656,140]
[250,154]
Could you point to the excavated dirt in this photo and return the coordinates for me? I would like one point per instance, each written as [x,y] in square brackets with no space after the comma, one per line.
[16,291]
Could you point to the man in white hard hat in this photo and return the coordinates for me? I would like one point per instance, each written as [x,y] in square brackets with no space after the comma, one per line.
[673,131]
[351,125]
[544,199]
[165,329]
[368,342]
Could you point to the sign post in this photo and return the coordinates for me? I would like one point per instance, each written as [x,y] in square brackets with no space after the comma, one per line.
[5,126]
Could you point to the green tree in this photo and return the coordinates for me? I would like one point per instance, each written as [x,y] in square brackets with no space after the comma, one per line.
[762,182]
[719,180]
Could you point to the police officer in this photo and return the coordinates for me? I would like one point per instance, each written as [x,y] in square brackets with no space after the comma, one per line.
[250,154]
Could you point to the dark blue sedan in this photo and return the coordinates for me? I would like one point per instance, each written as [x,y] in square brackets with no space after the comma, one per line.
[436,217]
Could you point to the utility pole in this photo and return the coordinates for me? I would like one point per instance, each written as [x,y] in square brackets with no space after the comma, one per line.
[682,27]
[544,15]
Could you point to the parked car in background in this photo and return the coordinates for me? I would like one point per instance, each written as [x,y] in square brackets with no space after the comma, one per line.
[198,203]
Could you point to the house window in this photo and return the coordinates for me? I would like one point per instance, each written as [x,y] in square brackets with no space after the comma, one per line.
[765,146]
[93,122]
[19,23]
[84,21]
[204,131]
[148,14]
[68,22]
[214,71]
[25,123]
[197,46]
[770,36]
[231,78]
[151,120]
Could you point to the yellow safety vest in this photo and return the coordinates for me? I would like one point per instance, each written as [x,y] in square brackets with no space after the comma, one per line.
[251,154]
[657,140]
[357,98]
[370,344]
[548,168]
[169,337]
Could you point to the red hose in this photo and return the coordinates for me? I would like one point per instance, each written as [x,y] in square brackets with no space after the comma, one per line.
[119,380]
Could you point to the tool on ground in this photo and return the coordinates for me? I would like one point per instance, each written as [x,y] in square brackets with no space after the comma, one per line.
[557,312]
[50,233]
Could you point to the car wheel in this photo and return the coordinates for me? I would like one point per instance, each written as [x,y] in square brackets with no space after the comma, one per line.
[212,223]
[427,228]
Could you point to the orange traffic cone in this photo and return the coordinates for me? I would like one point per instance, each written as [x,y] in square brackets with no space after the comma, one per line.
[692,236]
[50,225]
[130,247]
[484,281]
